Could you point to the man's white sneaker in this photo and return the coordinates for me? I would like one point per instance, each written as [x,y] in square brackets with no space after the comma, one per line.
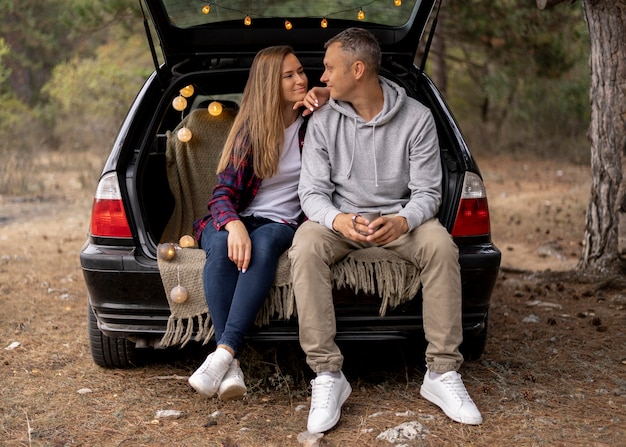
[448,393]
[328,395]
[206,379]
[232,387]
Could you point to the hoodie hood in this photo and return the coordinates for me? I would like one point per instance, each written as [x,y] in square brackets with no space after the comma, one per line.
[394,97]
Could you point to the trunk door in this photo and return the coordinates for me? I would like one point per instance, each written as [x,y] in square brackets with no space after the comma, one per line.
[192,30]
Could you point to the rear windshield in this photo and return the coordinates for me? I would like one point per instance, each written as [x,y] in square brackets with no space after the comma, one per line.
[187,14]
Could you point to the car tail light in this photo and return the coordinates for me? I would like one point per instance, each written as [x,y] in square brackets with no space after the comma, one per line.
[108,218]
[472,217]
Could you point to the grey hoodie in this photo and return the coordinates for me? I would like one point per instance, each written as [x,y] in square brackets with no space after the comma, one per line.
[390,163]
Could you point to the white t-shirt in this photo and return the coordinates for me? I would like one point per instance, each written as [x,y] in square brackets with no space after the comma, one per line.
[277,197]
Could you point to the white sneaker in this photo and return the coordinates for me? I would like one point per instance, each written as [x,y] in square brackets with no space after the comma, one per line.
[232,387]
[448,393]
[327,397]
[206,379]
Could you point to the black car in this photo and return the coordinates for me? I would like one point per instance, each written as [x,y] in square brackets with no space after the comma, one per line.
[207,49]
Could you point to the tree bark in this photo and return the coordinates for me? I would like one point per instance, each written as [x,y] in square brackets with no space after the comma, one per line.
[604,244]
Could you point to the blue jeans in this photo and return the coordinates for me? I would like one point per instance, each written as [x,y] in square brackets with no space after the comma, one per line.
[235,298]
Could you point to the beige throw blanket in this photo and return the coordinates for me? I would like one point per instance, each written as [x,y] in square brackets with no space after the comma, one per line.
[191,170]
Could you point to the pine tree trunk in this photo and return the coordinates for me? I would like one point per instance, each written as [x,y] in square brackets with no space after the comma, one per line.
[604,245]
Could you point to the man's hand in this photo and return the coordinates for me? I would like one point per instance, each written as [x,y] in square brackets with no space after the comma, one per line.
[380,231]
[314,99]
[239,244]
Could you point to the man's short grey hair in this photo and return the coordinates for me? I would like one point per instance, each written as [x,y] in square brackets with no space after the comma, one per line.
[359,44]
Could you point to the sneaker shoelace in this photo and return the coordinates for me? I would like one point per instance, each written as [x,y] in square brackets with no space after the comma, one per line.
[457,388]
[322,390]
[205,368]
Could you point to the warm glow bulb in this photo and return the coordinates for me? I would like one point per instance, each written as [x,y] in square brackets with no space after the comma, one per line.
[247,21]
[184,134]
[288,25]
[324,23]
[187,91]
[179,294]
[360,15]
[206,9]
[166,251]
[187,241]
[215,108]
[179,103]
[397,2]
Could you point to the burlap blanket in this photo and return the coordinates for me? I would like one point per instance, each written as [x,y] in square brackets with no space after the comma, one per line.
[191,170]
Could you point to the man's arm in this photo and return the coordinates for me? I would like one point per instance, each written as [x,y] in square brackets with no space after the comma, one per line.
[425,174]
[316,188]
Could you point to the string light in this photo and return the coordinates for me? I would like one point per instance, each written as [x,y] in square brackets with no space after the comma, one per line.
[187,91]
[215,108]
[184,134]
[247,21]
[179,103]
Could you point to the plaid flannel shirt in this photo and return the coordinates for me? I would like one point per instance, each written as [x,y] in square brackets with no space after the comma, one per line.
[234,191]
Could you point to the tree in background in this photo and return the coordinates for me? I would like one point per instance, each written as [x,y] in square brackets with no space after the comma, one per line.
[604,244]
[516,69]
[40,42]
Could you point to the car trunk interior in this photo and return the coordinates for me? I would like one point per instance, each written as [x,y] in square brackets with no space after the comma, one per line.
[155,198]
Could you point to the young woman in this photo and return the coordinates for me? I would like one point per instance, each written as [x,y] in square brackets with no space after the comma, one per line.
[253,213]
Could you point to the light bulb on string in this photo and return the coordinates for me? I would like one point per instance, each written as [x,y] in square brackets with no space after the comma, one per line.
[361,14]
[166,251]
[247,21]
[324,23]
[187,241]
[206,9]
[179,103]
[187,91]
[179,294]
[288,25]
[397,2]
[215,108]
[184,134]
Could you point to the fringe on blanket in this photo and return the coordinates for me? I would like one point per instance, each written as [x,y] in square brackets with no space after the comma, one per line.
[394,280]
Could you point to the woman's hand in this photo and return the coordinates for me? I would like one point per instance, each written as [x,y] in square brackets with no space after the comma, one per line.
[239,244]
[313,100]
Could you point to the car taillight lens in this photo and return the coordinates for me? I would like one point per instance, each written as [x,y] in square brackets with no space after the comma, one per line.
[108,218]
[472,217]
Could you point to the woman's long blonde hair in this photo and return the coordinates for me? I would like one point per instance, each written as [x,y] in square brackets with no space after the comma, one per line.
[259,127]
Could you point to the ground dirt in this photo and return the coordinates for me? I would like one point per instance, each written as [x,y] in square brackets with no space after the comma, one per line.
[553,373]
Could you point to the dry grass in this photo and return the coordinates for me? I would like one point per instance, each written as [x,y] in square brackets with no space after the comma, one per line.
[558,382]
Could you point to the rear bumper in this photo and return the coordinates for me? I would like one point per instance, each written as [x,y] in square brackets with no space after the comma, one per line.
[129,301]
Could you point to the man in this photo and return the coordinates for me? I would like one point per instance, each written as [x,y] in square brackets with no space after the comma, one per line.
[373,148]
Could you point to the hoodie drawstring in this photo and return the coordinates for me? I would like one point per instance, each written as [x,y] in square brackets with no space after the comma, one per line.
[374,150]
[353,150]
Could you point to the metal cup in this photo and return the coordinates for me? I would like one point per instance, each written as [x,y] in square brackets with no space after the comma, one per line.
[371,216]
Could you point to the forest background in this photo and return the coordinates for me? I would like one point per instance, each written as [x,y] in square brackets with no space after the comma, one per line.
[517,79]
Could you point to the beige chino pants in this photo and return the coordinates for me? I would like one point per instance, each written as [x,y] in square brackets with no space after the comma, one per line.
[429,247]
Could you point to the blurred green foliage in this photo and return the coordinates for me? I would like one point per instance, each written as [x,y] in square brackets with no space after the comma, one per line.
[518,77]
[69,69]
